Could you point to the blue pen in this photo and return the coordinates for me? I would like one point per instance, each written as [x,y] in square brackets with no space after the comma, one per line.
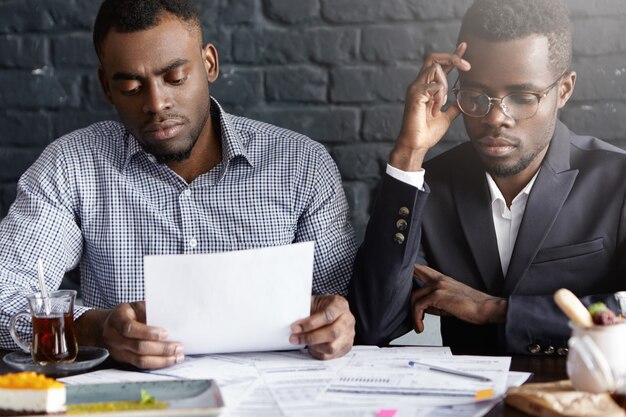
[450,371]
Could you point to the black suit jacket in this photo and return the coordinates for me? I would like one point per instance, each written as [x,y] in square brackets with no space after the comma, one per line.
[572,235]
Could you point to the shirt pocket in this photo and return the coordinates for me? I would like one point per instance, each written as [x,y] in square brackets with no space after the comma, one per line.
[569,251]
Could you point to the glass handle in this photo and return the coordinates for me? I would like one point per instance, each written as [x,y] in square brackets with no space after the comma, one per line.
[25,346]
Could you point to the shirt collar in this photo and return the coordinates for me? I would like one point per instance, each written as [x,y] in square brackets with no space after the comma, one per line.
[133,147]
[232,143]
[496,194]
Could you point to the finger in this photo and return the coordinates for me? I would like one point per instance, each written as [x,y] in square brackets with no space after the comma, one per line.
[457,59]
[321,352]
[154,348]
[139,307]
[440,96]
[427,300]
[323,349]
[421,293]
[425,273]
[133,329]
[130,350]
[322,335]
[461,49]
[343,327]
[311,323]
[418,320]
[452,112]
[418,316]
[145,362]
[327,315]
[327,351]
[449,61]
[431,302]
[420,307]
[125,321]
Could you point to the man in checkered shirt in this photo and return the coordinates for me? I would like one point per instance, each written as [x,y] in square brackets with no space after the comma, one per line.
[177,176]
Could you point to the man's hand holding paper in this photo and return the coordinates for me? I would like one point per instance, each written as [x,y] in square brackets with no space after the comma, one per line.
[329,330]
[123,332]
[263,293]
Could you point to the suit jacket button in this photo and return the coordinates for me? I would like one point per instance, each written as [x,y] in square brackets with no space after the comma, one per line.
[562,351]
[534,348]
[401,224]
[398,238]
[404,211]
[549,350]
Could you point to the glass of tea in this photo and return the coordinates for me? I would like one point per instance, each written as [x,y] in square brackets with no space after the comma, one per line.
[53,338]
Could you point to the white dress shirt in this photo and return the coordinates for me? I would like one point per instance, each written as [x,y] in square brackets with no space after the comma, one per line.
[506,220]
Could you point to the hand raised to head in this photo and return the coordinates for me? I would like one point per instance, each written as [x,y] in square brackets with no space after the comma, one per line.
[424,124]
[329,330]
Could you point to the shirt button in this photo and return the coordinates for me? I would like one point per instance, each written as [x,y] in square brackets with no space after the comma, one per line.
[398,238]
[549,350]
[404,211]
[187,192]
[193,242]
[535,348]
[401,225]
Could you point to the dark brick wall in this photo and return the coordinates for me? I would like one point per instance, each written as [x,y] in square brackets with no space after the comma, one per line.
[335,70]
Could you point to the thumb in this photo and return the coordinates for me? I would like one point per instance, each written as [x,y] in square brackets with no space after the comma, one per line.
[452,112]
[138,309]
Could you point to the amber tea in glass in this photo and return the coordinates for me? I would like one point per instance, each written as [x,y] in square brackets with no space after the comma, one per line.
[53,335]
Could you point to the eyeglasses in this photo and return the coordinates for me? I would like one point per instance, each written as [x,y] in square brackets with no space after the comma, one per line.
[517,106]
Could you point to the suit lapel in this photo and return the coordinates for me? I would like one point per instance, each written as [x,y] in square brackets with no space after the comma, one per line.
[551,189]
[473,202]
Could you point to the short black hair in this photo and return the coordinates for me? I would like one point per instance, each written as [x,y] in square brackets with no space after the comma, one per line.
[128,16]
[505,20]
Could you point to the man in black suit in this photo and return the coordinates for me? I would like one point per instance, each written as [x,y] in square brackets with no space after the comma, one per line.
[503,221]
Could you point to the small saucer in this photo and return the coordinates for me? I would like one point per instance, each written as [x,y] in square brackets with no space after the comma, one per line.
[87,358]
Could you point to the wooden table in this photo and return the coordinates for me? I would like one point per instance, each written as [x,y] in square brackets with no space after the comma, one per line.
[543,368]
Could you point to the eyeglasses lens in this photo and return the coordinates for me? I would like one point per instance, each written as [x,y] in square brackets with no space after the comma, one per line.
[517,106]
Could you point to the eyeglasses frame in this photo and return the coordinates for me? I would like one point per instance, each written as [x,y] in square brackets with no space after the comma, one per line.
[539,96]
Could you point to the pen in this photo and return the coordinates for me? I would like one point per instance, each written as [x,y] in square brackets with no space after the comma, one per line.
[450,371]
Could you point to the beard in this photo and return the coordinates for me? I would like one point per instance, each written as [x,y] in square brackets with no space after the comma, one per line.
[503,170]
[181,150]
[164,156]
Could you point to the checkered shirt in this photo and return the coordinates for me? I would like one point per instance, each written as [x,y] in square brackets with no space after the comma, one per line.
[95,199]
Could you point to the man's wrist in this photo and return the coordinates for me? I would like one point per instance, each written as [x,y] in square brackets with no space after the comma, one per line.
[415,179]
[497,308]
[407,159]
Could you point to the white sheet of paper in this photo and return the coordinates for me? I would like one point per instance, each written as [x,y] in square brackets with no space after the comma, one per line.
[113,376]
[231,301]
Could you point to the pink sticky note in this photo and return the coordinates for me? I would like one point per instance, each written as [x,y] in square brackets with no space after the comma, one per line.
[386,413]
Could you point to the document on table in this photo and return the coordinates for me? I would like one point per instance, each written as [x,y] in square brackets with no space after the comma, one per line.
[231,301]
[298,387]
[395,381]
[292,383]
[113,376]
